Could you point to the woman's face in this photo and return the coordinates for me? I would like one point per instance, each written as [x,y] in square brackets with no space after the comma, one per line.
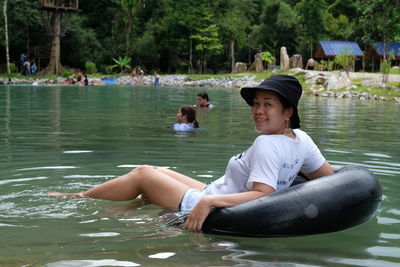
[180,118]
[268,113]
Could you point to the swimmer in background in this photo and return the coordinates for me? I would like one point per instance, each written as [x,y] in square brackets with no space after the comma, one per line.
[203,101]
[186,119]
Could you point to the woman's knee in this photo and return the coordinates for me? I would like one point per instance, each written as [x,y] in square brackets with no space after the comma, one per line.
[143,170]
[140,169]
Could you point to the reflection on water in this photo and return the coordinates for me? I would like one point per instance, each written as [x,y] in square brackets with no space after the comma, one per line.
[72,138]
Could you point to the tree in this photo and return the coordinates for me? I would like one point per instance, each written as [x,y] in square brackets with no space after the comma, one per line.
[6,35]
[379,20]
[234,24]
[131,7]
[339,28]
[207,42]
[277,27]
[56,22]
[311,15]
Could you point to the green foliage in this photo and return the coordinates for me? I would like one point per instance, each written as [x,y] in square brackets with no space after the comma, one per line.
[207,42]
[90,67]
[13,67]
[386,66]
[328,65]
[339,28]
[181,36]
[109,69]
[278,22]
[378,20]
[346,61]
[267,57]
[122,63]
[311,14]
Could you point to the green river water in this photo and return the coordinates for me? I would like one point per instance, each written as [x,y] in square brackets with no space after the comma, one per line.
[71,138]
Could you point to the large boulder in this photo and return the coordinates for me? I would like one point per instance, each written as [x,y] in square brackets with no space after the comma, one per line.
[338,82]
[240,67]
[296,61]
[257,65]
[284,59]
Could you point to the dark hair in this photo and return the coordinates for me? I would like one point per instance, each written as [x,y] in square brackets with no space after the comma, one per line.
[203,95]
[190,113]
[286,104]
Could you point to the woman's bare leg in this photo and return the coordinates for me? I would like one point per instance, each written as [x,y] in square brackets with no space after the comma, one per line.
[159,186]
[192,183]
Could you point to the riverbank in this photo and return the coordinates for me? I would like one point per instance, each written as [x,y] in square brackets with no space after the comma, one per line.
[366,86]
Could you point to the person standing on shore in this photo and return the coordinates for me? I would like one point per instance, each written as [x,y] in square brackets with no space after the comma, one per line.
[156,79]
[27,67]
[33,68]
[310,64]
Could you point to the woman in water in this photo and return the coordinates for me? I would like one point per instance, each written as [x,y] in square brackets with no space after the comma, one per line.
[270,164]
[186,119]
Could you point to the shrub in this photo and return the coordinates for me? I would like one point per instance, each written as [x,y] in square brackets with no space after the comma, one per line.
[13,67]
[346,61]
[90,67]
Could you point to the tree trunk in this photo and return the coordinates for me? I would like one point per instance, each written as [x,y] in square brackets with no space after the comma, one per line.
[191,55]
[54,66]
[232,56]
[6,36]
[128,30]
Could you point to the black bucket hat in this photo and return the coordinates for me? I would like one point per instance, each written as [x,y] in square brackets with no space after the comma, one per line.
[285,85]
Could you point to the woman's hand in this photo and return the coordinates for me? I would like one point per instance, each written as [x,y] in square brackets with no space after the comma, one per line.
[200,212]
[198,215]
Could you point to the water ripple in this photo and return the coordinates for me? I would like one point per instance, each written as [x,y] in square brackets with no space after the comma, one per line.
[77,151]
[22,180]
[78,176]
[103,234]
[92,263]
[48,168]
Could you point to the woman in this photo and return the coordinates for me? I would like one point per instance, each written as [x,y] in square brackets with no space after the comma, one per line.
[186,119]
[270,164]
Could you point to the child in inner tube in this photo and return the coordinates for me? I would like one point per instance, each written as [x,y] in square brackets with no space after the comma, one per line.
[186,119]
[270,164]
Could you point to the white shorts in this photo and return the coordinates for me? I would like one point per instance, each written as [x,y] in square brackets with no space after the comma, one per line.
[190,199]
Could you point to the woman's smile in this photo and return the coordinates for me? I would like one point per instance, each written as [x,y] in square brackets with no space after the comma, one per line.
[268,112]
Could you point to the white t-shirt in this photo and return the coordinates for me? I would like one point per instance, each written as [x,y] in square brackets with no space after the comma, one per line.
[183,127]
[274,160]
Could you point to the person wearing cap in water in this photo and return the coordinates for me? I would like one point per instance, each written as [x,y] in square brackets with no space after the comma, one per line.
[270,164]
[203,101]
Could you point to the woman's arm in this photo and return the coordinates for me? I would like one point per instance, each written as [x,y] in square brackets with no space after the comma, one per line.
[200,212]
[324,170]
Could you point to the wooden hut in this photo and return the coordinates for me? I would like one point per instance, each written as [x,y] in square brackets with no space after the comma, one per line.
[379,50]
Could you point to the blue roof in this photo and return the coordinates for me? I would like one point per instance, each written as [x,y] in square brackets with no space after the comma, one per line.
[334,48]
[392,48]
